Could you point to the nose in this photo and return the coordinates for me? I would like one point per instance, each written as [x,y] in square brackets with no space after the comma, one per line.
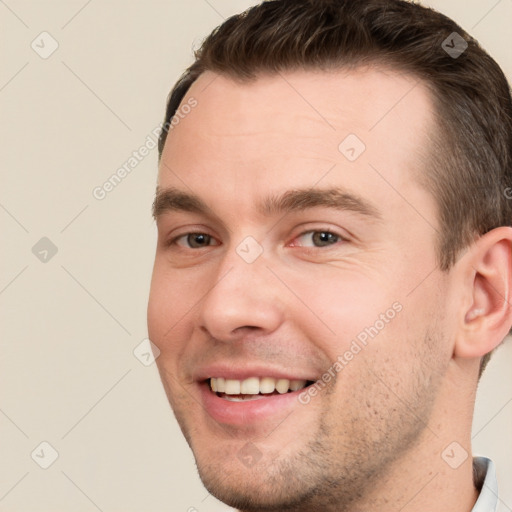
[243,298]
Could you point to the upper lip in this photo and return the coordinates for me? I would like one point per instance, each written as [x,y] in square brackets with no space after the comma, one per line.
[236,371]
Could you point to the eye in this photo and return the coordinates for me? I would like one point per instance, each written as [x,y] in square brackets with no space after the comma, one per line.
[194,240]
[317,239]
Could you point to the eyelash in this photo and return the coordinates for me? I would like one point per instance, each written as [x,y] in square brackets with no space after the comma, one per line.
[340,238]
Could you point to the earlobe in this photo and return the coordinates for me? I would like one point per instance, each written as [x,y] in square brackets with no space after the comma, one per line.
[487,319]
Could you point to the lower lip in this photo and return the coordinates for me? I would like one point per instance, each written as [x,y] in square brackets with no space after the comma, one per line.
[248,411]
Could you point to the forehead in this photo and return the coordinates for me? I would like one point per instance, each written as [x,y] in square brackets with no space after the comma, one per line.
[290,129]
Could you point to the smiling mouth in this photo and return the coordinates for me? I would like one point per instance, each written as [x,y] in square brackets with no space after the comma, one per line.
[254,388]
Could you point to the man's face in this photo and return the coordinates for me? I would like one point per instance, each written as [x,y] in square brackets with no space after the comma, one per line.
[300,248]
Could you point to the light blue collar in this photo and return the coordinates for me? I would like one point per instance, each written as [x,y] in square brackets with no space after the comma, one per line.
[488,499]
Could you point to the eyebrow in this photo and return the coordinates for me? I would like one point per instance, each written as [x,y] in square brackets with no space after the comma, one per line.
[172,199]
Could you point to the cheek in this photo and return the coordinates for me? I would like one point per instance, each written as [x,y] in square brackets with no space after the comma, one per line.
[341,306]
[171,302]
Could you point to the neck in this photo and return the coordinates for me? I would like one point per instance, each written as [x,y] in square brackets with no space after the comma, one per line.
[437,473]
[429,479]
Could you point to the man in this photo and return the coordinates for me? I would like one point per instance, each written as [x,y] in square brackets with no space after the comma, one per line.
[333,266]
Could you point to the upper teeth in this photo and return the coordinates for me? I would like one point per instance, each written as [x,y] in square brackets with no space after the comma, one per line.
[255,385]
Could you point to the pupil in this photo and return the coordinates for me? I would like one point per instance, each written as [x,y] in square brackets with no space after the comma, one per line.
[198,240]
[324,238]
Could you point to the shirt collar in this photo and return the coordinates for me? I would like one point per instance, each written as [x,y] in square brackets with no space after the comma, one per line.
[485,480]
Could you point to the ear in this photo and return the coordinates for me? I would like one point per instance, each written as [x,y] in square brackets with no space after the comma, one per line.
[486,316]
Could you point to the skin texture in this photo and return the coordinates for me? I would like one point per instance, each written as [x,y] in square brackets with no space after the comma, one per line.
[372,438]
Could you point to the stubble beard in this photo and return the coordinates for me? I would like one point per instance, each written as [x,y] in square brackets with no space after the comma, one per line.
[347,455]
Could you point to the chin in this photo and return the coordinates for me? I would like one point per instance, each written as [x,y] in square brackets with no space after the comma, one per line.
[255,489]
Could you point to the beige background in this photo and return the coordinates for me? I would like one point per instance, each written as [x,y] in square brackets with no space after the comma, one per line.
[68,375]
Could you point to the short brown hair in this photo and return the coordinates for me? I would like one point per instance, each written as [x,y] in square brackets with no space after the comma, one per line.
[470,164]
